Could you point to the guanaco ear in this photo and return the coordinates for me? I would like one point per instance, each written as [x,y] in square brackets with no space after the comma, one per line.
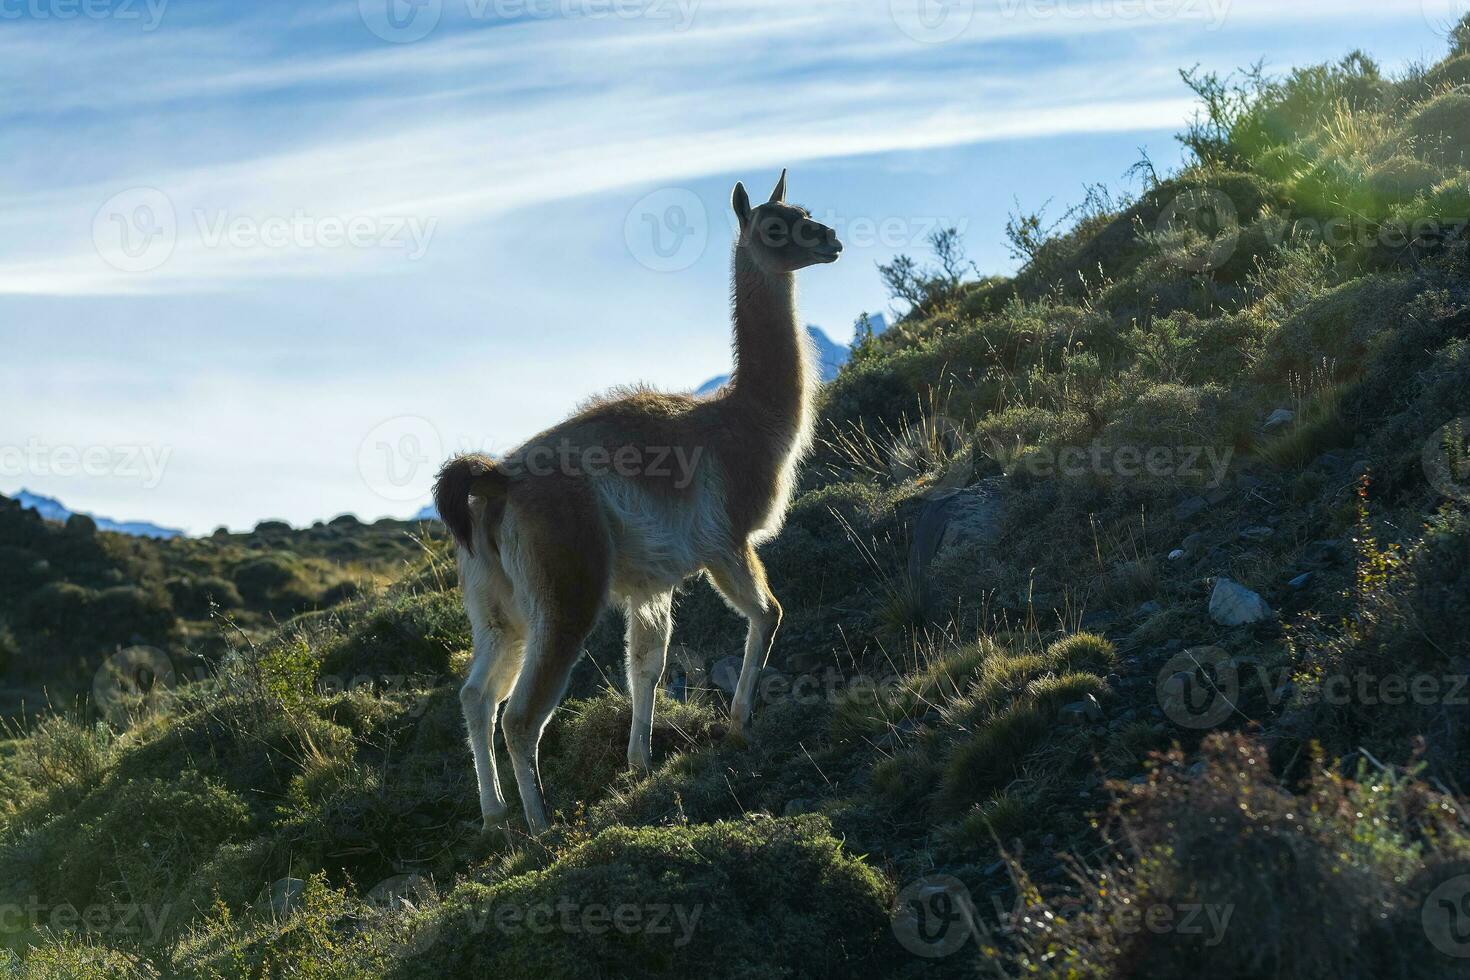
[778,196]
[740,201]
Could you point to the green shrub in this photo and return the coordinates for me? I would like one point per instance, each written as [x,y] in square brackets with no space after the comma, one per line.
[143,843]
[408,634]
[1083,651]
[1329,883]
[259,578]
[586,745]
[1441,129]
[760,897]
[195,597]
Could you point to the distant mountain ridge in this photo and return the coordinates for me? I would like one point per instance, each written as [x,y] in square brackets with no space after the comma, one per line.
[52,509]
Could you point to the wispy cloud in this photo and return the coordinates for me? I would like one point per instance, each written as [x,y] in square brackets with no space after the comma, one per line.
[257,129]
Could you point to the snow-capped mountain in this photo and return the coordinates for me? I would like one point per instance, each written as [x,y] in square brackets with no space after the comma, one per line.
[52,509]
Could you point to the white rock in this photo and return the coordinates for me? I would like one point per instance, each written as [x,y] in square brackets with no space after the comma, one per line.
[726,673]
[1280,417]
[1232,604]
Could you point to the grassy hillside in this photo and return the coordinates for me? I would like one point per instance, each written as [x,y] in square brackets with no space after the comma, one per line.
[1126,613]
[71,596]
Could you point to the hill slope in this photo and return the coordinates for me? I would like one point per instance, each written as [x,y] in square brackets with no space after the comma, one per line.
[1138,652]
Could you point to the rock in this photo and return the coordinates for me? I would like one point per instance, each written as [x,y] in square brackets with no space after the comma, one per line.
[1176,554]
[1093,708]
[1232,604]
[1249,483]
[1151,608]
[1096,622]
[1300,582]
[1329,552]
[725,674]
[954,518]
[1072,714]
[1192,507]
[1279,418]
[1193,544]
[1217,496]
[1088,710]
[284,897]
[1257,533]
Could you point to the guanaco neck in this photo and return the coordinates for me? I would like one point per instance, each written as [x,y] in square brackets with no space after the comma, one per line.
[771,371]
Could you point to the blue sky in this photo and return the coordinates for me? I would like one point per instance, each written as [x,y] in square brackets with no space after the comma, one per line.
[294,254]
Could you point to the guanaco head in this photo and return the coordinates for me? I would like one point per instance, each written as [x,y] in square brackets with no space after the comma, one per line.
[782,237]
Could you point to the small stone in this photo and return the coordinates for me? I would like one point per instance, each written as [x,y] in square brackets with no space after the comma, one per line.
[1193,544]
[1081,712]
[1300,582]
[1151,608]
[1280,417]
[1258,533]
[726,674]
[1093,709]
[1232,604]
[284,897]
[1192,507]
[1176,554]
[1072,714]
